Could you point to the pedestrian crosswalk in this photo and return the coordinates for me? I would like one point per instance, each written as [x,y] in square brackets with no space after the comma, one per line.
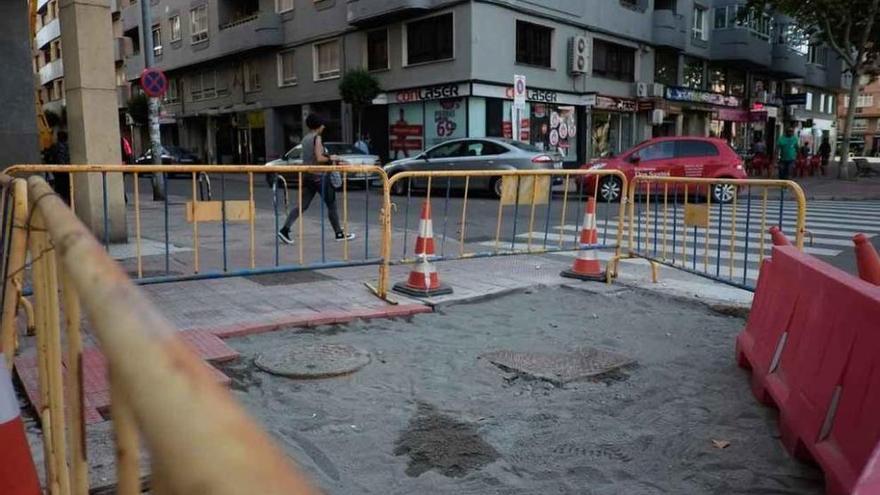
[734,254]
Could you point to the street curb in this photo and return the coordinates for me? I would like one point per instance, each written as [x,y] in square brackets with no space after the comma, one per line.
[317,319]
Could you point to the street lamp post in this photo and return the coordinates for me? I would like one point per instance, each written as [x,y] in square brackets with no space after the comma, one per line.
[158,180]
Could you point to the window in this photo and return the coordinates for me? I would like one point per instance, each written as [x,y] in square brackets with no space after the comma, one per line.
[446,150]
[659,151]
[831,104]
[794,38]
[252,81]
[283,6]
[821,102]
[735,16]
[174,24]
[286,71]
[717,79]
[817,54]
[429,40]
[696,148]
[198,23]
[860,125]
[157,40]
[326,60]
[533,44]
[693,73]
[171,96]
[613,61]
[666,67]
[377,49]
[865,101]
[203,86]
[721,18]
[699,29]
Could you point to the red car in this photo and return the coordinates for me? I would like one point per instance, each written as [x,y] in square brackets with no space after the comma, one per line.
[681,156]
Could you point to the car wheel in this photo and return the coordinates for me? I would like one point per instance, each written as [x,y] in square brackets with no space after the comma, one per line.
[723,193]
[610,189]
[398,188]
[496,187]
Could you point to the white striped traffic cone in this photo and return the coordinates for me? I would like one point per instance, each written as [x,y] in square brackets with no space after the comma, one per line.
[586,266]
[424,281]
[18,476]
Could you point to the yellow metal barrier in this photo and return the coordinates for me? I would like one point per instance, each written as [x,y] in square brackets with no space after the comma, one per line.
[519,187]
[709,226]
[13,204]
[228,211]
[199,439]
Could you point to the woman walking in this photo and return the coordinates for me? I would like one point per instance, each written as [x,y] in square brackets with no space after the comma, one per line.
[313,153]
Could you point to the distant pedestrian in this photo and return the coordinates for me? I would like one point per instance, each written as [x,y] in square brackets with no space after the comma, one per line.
[825,153]
[362,145]
[788,151]
[59,154]
[314,153]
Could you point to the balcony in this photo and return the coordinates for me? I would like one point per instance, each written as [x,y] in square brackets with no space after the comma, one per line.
[48,33]
[741,47]
[122,47]
[788,63]
[131,16]
[114,6]
[364,12]
[51,71]
[669,29]
[41,4]
[815,75]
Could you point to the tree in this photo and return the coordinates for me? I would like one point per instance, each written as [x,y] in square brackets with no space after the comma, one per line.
[358,88]
[139,108]
[850,29]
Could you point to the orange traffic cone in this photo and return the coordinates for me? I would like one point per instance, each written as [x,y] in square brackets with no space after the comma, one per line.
[778,237]
[18,476]
[424,281]
[586,266]
[867,259]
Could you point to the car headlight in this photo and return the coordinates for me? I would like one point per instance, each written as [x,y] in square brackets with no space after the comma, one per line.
[597,166]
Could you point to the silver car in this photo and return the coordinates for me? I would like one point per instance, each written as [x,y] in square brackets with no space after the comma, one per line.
[344,153]
[473,154]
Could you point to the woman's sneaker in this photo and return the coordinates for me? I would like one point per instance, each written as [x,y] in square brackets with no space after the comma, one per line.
[284,235]
[342,236]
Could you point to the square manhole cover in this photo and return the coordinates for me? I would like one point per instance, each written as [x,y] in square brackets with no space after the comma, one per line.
[288,278]
[559,368]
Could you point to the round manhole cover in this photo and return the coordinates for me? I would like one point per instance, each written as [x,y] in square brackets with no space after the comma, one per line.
[312,361]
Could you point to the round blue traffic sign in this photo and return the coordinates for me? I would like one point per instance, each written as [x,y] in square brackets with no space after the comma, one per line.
[154,82]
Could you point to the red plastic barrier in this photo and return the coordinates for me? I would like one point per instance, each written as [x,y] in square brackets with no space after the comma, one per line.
[813,345]
[867,259]
[869,483]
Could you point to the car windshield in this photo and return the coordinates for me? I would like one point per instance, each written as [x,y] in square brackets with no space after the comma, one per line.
[342,149]
[524,146]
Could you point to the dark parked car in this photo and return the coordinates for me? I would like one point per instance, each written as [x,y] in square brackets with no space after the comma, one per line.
[171,155]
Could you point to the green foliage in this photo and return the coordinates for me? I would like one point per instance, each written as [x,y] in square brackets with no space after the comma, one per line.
[358,88]
[139,109]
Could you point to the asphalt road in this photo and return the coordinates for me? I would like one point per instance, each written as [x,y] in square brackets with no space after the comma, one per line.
[831,223]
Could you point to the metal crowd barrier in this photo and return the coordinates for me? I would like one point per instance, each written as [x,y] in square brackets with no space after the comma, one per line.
[198,438]
[207,204]
[13,242]
[559,194]
[712,227]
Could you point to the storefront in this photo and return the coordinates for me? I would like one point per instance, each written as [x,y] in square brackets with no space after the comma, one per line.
[423,117]
[697,109]
[612,125]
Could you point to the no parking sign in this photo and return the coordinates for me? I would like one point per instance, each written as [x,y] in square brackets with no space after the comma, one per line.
[154,82]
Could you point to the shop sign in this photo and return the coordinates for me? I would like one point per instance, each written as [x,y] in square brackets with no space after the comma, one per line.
[732,115]
[439,92]
[532,95]
[760,116]
[699,96]
[646,105]
[795,99]
[612,103]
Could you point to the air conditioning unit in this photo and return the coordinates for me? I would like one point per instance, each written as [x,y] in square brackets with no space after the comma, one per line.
[649,90]
[579,51]
[658,116]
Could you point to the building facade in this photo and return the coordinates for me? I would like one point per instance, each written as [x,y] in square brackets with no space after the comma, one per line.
[866,125]
[602,75]
[49,67]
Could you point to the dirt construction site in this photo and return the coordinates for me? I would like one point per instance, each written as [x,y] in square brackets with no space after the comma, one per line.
[596,390]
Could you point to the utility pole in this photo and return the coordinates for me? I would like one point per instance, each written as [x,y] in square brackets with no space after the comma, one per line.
[158,180]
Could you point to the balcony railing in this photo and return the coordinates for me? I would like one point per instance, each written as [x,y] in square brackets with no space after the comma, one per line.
[240,21]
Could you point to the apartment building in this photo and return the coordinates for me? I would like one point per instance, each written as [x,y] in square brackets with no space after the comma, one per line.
[602,74]
[48,64]
[866,126]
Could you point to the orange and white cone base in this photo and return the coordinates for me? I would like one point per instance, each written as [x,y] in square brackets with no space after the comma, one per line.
[586,266]
[424,281]
[18,476]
